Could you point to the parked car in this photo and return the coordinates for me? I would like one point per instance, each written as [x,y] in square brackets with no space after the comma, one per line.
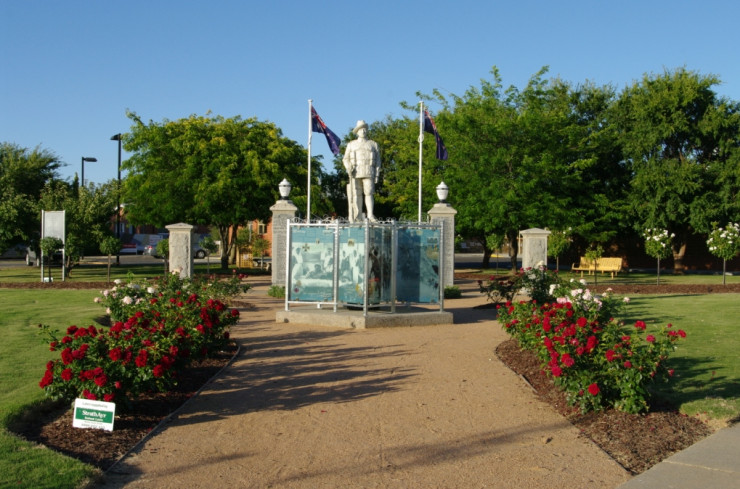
[15,251]
[198,252]
[129,249]
[33,259]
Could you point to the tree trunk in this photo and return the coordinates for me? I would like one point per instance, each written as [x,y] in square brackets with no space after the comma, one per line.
[223,234]
[513,250]
[486,258]
[678,254]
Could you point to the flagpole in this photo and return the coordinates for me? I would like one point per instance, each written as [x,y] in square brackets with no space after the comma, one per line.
[308,205]
[421,140]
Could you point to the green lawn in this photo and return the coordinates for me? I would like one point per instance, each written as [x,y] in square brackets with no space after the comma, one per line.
[707,379]
[23,354]
[96,271]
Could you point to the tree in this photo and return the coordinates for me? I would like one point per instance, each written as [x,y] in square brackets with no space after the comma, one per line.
[532,150]
[163,249]
[109,246]
[259,246]
[49,246]
[23,175]
[724,243]
[658,245]
[557,243]
[679,138]
[208,170]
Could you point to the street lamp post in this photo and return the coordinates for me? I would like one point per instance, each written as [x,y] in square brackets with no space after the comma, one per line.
[117,137]
[84,159]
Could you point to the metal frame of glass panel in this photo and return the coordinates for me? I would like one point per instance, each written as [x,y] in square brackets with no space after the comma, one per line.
[367,265]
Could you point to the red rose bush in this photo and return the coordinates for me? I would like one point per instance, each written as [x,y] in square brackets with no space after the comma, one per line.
[157,329]
[598,361]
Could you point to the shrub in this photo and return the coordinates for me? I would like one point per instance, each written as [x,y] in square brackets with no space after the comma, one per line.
[277,291]
[452,292]
[538,283]
[595,359]
[157,330]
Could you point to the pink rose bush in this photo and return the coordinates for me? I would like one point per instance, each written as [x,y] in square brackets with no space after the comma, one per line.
[156,331]
[598,361]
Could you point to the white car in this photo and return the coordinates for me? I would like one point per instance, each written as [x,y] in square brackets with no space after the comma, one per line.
[198,252]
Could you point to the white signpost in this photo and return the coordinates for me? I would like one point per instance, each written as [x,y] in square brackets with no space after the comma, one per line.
[94,414]
[52,226]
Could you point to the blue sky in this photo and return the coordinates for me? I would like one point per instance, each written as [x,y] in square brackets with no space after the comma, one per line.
[70,69]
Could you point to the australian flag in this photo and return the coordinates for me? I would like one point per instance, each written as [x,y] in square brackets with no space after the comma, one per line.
[431,128]
[317,125]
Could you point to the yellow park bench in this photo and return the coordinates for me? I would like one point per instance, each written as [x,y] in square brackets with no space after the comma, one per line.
[612,265]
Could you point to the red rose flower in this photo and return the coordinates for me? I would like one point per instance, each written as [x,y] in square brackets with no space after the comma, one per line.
[67,374]
[593,389]
[108,397]
[610,355]
[567,360]
[556,371]
[101,380]
[47,379]
[627,364]
[115,354]
[141,358]
[650,338]
[640,325]
[67,357]
[158,371]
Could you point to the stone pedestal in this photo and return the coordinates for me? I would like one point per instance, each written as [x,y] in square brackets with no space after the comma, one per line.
[534,247]
[445,214]
[282,212]
[181,249]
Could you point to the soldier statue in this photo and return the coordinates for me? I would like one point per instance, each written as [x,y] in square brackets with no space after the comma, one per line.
[362,162]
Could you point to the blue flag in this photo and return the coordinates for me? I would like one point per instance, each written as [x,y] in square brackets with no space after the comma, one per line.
[431,128]
[317,125]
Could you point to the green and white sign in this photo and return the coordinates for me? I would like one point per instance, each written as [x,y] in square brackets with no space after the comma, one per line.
[94,414]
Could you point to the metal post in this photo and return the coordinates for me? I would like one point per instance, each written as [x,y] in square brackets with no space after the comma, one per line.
[117,137]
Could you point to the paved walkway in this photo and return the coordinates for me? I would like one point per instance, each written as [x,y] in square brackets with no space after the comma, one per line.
[712,463]
[420,407]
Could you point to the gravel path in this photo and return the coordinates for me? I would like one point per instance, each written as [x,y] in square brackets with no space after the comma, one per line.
[424,407]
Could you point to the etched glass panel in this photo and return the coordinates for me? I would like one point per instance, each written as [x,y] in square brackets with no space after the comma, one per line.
[417,278]
[311,264]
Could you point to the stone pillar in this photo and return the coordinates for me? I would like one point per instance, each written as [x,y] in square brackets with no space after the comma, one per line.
[282,212]
[445,214]
[181,249]
[534,247]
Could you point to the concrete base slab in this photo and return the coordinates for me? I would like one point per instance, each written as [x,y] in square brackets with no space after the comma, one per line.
[347,318]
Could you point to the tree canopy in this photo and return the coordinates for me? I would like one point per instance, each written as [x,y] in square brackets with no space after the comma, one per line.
[208,170]
[23,175]
[682,143]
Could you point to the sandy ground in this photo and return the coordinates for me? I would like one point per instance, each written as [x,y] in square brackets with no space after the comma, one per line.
[421,407]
